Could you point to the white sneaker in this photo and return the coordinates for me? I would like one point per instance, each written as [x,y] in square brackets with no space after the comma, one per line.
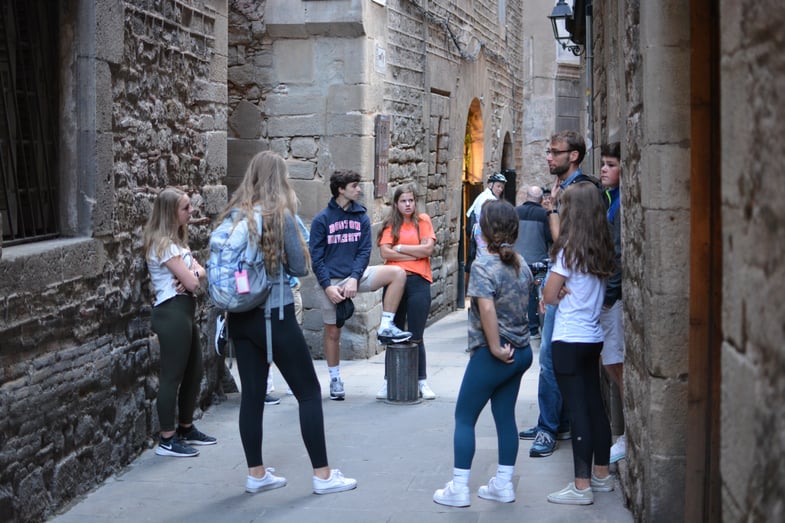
[382,394]
[221,336]
[336,389]
[493,492]
[571,495]
[268,482]
[453,495]
[392,334]
[425,391]
[602,484]
[335,483]
[618,449]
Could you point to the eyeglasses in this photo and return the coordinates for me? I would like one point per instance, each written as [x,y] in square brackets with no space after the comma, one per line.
[556,152]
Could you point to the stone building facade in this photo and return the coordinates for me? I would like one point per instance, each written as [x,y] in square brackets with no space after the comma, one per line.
[140,101]
[688,89]
[183,92]
[399,91]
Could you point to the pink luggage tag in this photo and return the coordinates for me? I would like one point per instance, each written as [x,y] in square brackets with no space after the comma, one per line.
[241,280]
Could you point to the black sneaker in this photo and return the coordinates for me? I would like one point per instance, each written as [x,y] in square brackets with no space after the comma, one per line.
[271,400]
[193,436]
[176,448]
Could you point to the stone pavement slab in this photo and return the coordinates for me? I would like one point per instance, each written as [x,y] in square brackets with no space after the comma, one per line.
[399,454]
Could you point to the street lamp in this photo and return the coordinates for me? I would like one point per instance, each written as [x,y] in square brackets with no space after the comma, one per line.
[559,16]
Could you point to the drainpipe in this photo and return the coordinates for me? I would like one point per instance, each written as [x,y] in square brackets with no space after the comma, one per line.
[589,48]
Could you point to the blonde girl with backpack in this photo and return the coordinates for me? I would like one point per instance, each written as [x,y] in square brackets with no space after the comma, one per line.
[265,188]
[176,276]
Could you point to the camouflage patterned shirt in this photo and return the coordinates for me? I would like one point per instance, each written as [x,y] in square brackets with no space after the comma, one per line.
[490,278]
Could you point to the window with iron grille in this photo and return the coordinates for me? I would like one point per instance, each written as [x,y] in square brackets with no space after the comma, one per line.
[28,121]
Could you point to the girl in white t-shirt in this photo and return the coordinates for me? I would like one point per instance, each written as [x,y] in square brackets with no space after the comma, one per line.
[583,257]
[175,275]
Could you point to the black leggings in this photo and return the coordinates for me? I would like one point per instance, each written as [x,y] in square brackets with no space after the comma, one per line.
[291,356]
[577,368]
[413,312]
[181,360]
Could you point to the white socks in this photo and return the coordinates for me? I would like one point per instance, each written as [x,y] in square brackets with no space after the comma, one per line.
[335,372]
[504,474]
[460,477]
[387,318]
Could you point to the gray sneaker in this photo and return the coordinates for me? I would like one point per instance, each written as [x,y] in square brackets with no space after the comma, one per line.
[336,389]
[392,334]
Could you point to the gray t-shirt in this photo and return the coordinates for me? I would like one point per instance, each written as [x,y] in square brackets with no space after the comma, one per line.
[490,278]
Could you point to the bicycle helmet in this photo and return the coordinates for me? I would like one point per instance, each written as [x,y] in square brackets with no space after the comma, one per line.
[497,177]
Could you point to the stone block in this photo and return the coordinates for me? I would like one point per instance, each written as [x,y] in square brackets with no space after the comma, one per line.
[665,25]
[300,170]
[294,102]
[239,154]
[350,124]
[305,147]
[293,60]
[664,488]
[739,420]
[215,198]
[346,98]
[109,30]
[204,91]
[313,197]
[666,407]
[352,152]
[245,121]
[298,125]
[668,316]
[666,124]
[660,191]
[216,154]
[103,211]
[668,245]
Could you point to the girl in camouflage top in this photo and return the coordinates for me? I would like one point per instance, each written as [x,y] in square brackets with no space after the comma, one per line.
[499,289]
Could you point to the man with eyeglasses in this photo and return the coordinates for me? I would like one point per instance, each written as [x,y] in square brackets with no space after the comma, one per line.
[564,157]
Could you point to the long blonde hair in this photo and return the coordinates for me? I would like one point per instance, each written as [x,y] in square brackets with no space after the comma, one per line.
[266,186]
[162,228]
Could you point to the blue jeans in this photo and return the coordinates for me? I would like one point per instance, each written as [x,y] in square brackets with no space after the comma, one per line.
[534,320]
[553,416]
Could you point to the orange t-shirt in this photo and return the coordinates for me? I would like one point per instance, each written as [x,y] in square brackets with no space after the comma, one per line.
[408,236]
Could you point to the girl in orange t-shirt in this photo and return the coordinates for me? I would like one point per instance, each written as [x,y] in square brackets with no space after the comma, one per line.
[406,239]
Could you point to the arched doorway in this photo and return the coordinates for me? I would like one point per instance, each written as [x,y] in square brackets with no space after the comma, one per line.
[473,157]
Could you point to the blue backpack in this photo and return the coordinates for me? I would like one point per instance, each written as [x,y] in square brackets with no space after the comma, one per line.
[235,261]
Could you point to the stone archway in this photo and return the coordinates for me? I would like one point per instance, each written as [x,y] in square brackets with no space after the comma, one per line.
[471,178]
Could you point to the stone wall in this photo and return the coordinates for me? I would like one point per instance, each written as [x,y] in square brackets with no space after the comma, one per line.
[630,105]
[143,105]
[307,79]
[752,425]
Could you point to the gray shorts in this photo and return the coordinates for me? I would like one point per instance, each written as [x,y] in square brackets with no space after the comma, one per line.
[328,308]
[611,322]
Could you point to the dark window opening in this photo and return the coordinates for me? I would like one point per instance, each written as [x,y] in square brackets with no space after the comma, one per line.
[28,121]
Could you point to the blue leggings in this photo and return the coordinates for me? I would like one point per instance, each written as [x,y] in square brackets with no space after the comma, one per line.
[488,378]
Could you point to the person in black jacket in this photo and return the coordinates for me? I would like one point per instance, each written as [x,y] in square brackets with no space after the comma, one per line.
[340,247]
[533,243]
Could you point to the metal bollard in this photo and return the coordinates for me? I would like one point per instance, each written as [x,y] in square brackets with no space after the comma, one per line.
[400,359]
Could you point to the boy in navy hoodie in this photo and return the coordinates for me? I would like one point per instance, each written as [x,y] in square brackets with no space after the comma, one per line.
[340,247]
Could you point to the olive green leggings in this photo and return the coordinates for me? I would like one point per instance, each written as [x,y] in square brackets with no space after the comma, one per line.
[181,360]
